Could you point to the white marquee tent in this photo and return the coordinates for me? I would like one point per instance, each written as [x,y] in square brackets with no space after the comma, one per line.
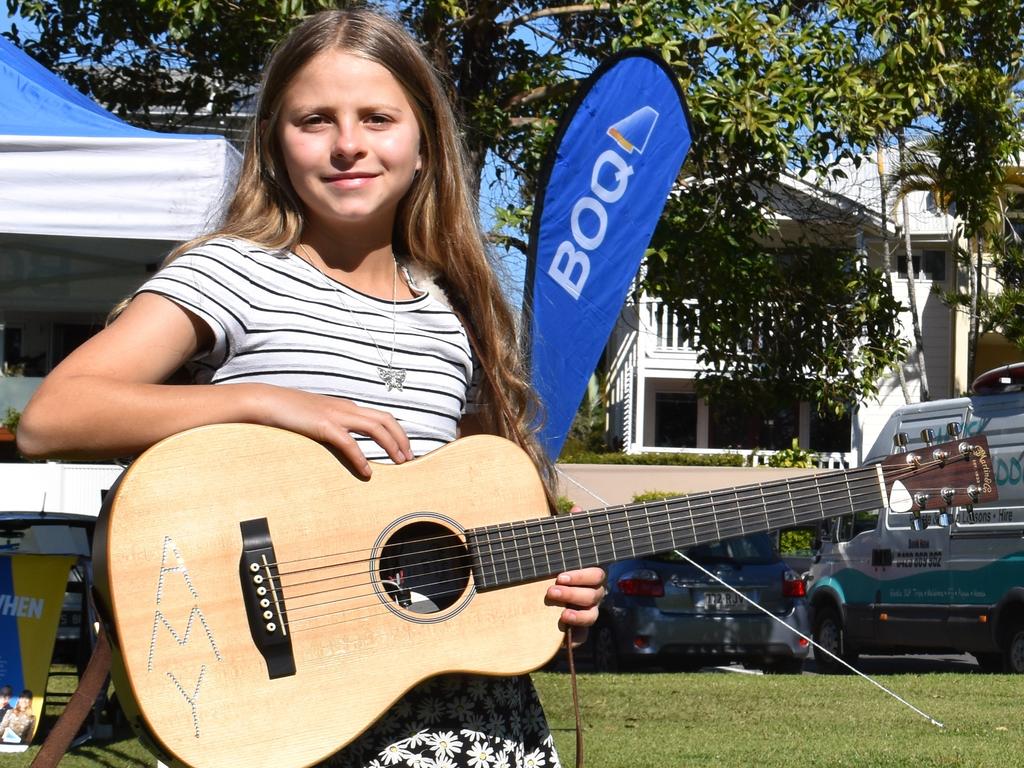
[89,204]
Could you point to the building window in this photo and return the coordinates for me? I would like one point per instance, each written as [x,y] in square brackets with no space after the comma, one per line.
[928,265]
[675,420]
[830,435]
[732,428]
[67,337]
[12,346]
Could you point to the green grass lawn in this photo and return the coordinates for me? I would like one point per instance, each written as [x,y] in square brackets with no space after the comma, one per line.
[732,720]
[667,720]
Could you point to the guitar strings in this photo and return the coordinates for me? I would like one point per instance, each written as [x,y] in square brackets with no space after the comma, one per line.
[581,542]
[730,529]
[694,519]
[695,503]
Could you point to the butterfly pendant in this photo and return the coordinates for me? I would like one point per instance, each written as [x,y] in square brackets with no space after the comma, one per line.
[394,378]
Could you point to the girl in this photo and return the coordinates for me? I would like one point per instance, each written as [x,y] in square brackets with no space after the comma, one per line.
[19,722]
[337,301]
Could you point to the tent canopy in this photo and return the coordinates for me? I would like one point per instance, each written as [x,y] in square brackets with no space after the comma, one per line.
[88,203]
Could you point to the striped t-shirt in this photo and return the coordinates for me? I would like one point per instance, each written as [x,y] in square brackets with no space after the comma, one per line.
[276,319]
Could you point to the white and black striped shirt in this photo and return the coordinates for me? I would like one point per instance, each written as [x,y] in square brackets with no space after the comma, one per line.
[277,320]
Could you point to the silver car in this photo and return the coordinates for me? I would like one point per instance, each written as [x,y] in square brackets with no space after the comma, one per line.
[662,611]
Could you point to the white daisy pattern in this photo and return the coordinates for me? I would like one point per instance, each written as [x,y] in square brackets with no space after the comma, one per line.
[458,721]
[480,755]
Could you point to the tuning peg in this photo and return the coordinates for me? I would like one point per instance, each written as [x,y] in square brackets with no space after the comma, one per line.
[928,436]
[900,441]
[954,429]
[917,522]
[945,519]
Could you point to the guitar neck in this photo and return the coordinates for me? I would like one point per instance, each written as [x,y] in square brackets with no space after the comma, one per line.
[513,553]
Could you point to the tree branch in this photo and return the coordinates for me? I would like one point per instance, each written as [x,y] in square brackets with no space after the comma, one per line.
[541,92]
[564,10]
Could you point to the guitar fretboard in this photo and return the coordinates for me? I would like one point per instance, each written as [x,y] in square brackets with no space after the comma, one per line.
[512,553]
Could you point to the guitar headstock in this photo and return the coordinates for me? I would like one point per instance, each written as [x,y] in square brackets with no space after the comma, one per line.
[957,473]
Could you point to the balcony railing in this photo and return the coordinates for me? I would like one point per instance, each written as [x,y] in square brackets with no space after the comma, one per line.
[661,329]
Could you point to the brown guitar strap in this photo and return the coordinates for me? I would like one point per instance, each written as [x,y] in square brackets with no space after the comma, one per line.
[575,697]
[59,739]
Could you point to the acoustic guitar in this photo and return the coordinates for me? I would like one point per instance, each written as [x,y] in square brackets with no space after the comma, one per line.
[242,568]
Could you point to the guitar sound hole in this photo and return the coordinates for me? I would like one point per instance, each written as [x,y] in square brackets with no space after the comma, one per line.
[424,567]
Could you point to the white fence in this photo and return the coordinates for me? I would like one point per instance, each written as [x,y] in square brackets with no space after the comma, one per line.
[55,487]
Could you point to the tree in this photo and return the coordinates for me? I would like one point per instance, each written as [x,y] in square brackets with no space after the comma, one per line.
[159,62]
[773,89]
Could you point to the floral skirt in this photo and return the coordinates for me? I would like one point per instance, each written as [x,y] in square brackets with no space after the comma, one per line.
[458,721]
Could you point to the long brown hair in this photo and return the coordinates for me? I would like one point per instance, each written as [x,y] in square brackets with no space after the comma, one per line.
[435,225]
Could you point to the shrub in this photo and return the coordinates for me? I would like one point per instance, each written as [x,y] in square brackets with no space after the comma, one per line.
[655,459]
[11,419]
[794,456]
[647,496]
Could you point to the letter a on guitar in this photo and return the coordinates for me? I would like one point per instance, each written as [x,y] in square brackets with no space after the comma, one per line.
[238,563]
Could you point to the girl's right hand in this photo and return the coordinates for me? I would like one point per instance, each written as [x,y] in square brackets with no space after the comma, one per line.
[333,421]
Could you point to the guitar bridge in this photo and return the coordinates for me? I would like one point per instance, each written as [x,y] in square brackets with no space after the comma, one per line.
[264,601]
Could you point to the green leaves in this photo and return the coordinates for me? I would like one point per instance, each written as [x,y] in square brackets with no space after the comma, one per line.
[775,90]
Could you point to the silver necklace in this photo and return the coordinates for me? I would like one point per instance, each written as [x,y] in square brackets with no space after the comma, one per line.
[393,377]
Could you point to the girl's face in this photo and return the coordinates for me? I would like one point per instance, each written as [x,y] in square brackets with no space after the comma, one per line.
[24,702]
[350,143]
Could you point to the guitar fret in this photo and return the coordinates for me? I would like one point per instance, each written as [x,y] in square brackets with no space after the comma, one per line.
[485,553]
[525,558]
[561,549]
[754,499]
[693,525]
[577,561]
[650,530]
[541,538]
[551,539]
[611,536]
[629,534]
[618,519]
[605,553]
[537,539]
[517,559]
[504,554]
[670,525]
[848,493]
[764,506]
[775,508]
[789,493]
[593,539]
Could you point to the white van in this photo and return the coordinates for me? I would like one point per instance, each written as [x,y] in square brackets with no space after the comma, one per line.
[883,582]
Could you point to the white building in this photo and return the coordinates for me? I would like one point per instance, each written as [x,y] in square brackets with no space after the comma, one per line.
[652,370]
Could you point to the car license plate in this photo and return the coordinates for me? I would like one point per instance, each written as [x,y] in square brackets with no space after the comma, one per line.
[722,600]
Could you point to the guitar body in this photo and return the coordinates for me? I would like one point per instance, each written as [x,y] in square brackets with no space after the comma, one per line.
[346,639]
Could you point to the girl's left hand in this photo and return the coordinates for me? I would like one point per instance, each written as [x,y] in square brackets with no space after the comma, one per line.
[581,593]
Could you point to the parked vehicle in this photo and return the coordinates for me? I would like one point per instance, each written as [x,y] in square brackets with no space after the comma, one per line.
[662,611]
[892,582]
